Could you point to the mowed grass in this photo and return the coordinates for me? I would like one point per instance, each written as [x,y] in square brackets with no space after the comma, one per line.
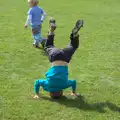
[95,66]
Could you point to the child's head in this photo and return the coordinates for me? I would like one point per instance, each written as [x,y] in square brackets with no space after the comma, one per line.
[32,3]
[56,95]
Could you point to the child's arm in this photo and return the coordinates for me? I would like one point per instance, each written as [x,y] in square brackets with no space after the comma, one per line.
[37,85]
[28,21]
[43,16]
[29,17]
[72,83]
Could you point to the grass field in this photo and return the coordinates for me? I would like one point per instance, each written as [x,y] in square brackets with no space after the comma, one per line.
[95,66]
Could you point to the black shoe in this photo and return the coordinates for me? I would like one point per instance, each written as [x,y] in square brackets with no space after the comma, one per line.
[52,24]
[52,21]
[77,27]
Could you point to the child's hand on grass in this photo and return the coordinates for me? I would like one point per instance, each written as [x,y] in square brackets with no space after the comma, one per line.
[36,96]
[75,94]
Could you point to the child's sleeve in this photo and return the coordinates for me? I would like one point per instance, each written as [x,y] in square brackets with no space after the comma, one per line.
[72,83]
[38,84]
[30,12]
[43,15]
[29,17]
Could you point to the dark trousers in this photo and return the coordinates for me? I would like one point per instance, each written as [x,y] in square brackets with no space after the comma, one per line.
[64,54]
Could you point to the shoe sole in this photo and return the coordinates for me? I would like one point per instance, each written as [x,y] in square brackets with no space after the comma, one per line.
[77,27]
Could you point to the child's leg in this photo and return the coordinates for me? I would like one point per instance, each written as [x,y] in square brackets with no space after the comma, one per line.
[49,41]
[36,32]
[71,48]
[50,38]
[49,47]
[74,41]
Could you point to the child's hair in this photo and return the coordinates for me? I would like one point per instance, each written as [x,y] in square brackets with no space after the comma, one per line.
[33,1]
[56,95]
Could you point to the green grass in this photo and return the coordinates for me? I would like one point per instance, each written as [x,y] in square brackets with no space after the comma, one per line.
[95,66]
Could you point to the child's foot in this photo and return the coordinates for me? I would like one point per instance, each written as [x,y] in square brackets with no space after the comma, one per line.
[77,27]
[36,46]
[52,24]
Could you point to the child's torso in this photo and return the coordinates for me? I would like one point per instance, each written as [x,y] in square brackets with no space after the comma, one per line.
[57,76]
[36,15]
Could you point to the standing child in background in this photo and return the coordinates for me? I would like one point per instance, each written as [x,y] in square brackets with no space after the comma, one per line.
[35,18]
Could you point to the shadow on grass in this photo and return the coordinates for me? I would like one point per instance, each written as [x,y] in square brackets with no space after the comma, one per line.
[42,52]
[80,103]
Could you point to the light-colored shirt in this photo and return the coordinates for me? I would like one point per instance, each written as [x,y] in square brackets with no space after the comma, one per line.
[36,16]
